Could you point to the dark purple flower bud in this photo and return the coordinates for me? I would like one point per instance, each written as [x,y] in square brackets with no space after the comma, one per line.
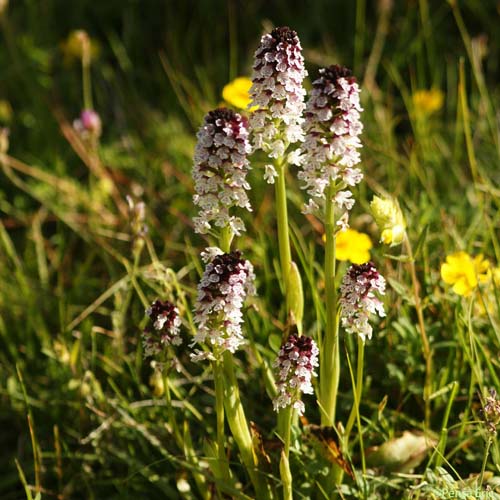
[295,365]
[220,170]
[163,329]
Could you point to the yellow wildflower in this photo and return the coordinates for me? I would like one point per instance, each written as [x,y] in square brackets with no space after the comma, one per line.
[428,101]
[72,46]
[389,219]
[465,272]
[236,92]
[353,246]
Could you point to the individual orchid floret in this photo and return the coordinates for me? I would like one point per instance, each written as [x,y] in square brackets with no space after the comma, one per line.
[358,299]
[223,288]
[163,328]
[295,365]
[220,170]
[332,128]
[88,125]
[390,220]
[277,93]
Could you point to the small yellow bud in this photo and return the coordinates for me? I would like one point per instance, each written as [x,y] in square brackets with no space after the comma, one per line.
[389,219]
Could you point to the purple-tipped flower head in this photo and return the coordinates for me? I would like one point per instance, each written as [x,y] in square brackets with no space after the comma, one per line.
[295,365]
[163,328]
[491,412]
[358,300]
[332,127]
[225,284]
[278,92]
[89,124]
[220,169]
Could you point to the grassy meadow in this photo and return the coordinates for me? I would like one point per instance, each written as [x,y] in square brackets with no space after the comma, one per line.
[83,413]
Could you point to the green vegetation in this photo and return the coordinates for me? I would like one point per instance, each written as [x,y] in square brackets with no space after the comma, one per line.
[82,413]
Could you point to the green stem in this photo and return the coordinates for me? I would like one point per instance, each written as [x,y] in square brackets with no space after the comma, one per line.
[329,353]
[485,459]
[358,390]
[237,421]
[225,239]
[285,472]
[282,223]
[223,465]
[171,415]
[86,80]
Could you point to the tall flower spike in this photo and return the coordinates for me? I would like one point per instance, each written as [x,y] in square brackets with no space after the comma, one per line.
[220,169]
[278,93]
[358,300]
[226,282]
[295,365]
[163,328]
[332,127]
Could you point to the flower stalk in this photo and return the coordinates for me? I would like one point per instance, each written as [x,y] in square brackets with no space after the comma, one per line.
[330,356]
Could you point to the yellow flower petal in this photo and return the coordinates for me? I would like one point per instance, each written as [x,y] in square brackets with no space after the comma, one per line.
[353,246]
[428,101]
[464,272]
[236,92]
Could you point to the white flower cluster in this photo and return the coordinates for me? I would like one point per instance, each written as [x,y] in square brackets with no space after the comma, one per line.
[226,282]
[278,93]
[358,301]
[332,127]
[295,365]
[163,329]
[220,169]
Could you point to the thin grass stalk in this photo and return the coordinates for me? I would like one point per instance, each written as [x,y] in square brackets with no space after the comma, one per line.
[358,390]
[86,79]
[443,437]
[421,326]
[485,460]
